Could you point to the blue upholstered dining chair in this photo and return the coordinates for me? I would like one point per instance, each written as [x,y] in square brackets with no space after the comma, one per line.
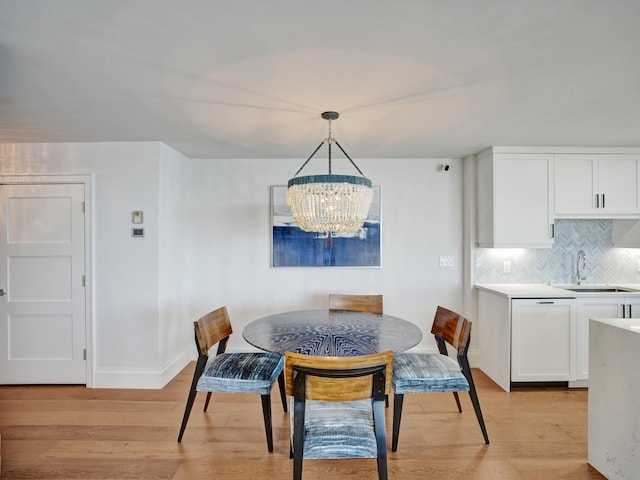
[338,407]
[251,372]
[437,372]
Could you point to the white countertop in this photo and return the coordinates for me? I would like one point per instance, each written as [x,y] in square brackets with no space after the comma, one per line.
[525,290]
[630,324]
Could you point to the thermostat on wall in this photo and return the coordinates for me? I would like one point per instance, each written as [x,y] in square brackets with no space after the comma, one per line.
[137,217]
[137,232]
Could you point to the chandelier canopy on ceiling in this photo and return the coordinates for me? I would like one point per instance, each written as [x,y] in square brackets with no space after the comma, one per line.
[329,203]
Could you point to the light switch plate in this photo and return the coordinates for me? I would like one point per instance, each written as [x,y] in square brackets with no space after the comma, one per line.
[447,261]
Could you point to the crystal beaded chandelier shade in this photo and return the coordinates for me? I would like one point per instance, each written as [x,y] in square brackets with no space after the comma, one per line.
[329,203]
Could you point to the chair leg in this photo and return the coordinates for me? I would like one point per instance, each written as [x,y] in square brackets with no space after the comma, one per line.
[298,438]
[266,413]
[397,415]
[381,438]
[202,361]
[466,370]
[283,394]
[476,407]
[206,402]
[457,397]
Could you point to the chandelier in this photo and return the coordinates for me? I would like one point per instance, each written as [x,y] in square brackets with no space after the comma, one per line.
[329,203]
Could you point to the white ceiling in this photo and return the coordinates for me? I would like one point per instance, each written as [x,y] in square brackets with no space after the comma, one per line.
[249,78]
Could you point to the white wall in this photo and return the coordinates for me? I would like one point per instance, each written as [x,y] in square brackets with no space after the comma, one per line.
[126,348]
[207,244]
[228,208]
[175,325]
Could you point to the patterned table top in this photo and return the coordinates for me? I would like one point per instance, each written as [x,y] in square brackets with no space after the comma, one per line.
[331,333]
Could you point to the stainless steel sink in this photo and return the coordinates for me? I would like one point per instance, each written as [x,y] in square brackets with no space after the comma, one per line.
[599,289]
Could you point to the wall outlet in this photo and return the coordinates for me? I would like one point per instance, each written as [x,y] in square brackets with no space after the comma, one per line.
[446,261]
[506,266]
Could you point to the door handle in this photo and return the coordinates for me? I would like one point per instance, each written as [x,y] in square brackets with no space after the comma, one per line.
[2,292]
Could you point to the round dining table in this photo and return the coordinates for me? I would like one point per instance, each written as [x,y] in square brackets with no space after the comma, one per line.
[331,333]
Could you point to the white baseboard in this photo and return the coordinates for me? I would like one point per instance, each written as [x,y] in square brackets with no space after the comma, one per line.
[150,378]
[579,384]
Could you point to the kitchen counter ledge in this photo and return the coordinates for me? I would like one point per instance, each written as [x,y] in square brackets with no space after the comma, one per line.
[525,290]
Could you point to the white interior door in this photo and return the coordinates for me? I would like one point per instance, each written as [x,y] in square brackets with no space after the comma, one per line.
[42,265]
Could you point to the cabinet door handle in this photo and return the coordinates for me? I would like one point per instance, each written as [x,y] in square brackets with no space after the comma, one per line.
[552,231]
[597,201]
[545,303]
[603,200]
[626,311]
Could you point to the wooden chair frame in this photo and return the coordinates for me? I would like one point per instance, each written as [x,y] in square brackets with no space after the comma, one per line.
[215,328]
[338,379]
[356,303]
[452,328]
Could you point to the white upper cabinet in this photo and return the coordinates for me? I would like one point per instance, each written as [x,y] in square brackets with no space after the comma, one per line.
[596,185]
[513,200]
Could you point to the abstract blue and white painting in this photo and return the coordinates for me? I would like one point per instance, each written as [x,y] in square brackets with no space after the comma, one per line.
[293,247]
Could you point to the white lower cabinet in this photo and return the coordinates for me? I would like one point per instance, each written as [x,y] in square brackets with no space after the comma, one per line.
[598,307]
[542,339]
[542,345]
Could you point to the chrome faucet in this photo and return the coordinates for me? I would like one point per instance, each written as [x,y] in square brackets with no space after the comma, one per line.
[581,264]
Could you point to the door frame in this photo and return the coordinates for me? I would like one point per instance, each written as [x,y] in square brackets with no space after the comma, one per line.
[87,180]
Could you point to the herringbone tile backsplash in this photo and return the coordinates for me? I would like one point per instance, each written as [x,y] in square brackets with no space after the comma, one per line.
[605,264]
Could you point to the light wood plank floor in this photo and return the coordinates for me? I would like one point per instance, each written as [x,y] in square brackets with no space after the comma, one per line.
[71,432]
